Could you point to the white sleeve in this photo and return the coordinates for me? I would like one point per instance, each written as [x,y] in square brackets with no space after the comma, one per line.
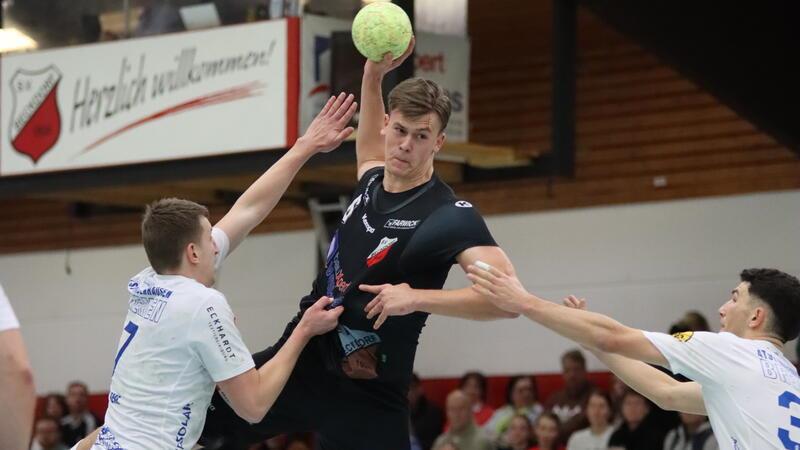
[223,243]
[701,356]
[8,321]
[217,341]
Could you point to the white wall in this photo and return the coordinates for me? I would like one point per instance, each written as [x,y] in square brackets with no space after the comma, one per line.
[644,264]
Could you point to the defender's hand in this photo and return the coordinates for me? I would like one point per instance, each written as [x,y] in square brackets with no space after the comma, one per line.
[317,320]
[329,128]
[504,291]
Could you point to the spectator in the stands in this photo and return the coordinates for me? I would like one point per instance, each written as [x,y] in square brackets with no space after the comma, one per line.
[547,430]
[599,414]
[694,433]
[519,435]
[55,406]
[637,431]
[695,321]
[427,419]
[463,433]
[79,421]
[568,402]
[474,385]
[47,435]
[521,399]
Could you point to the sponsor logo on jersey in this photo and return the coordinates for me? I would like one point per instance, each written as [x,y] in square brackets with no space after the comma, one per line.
[367,226]
[463,204]
[181,434]
[684,336]
[353,205]
[366,189]
[353,340]
[380,251]
[398,224]
[113,397]
[220,334]
[107,439]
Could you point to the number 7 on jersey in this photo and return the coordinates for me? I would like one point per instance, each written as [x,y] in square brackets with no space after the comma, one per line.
[131,328]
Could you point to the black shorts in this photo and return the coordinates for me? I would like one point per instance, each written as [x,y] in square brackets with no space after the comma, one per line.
[346,414]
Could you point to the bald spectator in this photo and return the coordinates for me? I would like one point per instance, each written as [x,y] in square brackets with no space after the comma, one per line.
[463,433]
[47,435]
[17,394]
[568,403]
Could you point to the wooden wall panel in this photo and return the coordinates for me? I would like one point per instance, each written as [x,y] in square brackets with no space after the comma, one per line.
[638,121]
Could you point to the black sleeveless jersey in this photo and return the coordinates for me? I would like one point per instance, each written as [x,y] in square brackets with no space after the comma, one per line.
[411,237]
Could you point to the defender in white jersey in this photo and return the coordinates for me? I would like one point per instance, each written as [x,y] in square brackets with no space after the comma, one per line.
[17,394]
[179,338]
[741,379]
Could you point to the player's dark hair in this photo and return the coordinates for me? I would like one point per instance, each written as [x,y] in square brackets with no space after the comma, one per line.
[168,226]
[416,97]
[574,355]
[781,292]
[513,382]
[606,398]
[479,378]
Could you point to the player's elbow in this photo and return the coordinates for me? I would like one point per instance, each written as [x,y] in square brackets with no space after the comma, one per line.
[21,375]
[666,399]
[252,413]
[607,342]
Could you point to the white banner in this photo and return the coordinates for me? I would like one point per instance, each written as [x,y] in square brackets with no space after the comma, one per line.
[166,97]
[444,59]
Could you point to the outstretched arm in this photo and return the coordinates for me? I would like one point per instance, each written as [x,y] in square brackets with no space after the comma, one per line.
[665,391]
[253,393]
[465,303]
[325,133]
[369,142]
[584,327]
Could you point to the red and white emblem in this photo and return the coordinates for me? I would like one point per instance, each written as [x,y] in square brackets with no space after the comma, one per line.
[380,251]
[35,119]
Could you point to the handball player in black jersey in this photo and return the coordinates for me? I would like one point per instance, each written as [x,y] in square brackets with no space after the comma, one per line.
[387,264]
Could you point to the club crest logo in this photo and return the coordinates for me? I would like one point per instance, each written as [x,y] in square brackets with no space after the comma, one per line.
[683,336]
[35,120]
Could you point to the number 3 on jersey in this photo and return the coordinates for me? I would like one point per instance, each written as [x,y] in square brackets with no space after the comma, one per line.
[131,328]
[785,400]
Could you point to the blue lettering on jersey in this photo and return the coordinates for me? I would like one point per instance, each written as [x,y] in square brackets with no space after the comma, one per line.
[114,398]
[181,434]
[108,440]
[353,340]
[147,308]
[785,401]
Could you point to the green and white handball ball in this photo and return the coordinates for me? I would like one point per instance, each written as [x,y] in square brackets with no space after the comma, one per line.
[380,28]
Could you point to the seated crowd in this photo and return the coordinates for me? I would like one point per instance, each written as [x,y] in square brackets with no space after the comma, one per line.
[579,416]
